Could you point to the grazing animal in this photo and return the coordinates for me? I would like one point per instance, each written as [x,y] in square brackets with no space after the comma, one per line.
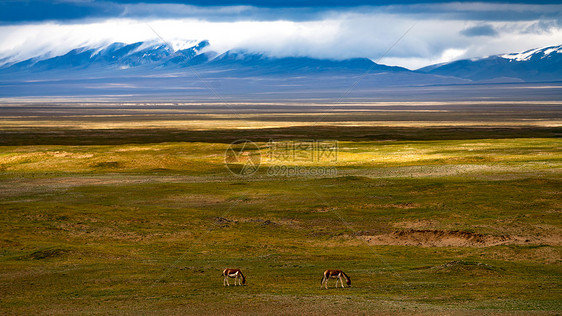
[233,273]
[335,274]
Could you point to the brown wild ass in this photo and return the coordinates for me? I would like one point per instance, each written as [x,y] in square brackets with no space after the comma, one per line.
[335,274]
[233,273]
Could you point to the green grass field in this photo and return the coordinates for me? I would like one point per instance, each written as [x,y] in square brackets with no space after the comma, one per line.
[451,225]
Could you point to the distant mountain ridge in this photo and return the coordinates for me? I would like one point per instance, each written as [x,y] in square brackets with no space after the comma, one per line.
[194,71]
[539,64]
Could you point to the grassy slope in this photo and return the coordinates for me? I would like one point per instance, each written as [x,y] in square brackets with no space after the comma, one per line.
[149,227]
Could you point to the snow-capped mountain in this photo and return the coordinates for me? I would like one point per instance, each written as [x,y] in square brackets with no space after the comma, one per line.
[535,54]
[116,55]
[159,57]
[540,64]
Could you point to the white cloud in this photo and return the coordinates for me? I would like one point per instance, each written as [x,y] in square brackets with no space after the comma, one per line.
[336,36]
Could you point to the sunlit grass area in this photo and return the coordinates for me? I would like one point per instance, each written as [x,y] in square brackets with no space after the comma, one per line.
[208,158]
[420,226]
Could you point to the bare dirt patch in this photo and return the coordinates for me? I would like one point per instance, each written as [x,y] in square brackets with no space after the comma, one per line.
[436,238]
[418,224]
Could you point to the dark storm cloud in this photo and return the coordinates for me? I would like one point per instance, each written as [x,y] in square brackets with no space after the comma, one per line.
[319,3]
[39,10]
[480,30]
[18,11]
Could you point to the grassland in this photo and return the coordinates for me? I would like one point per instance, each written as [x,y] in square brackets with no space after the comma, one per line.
[456,219]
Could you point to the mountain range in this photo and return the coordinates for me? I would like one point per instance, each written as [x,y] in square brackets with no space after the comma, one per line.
[540,64]
[158,57]
[151,68]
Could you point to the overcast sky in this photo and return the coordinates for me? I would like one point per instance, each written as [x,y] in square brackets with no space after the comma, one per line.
[406,33]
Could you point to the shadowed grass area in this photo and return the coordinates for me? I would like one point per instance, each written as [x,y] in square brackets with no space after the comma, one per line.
[148,228]
[112,136]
